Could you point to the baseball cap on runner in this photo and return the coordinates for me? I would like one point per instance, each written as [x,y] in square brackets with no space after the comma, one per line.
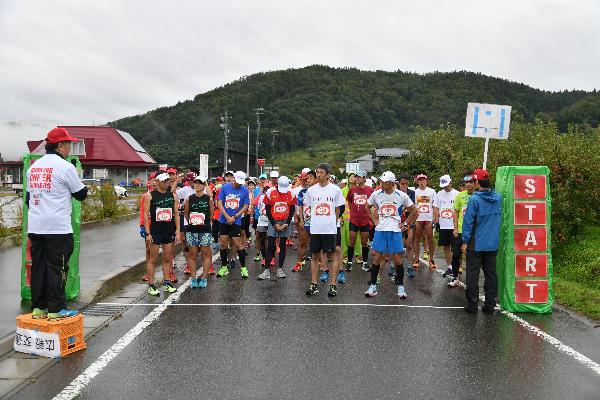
[303,176]
[152,175]
[274,174]
[198,179]
[468,178]
[171,171]
[361,173]
[283,184]
[445,181]
[263,176]
[481,175]
[240,177]
[229,173]
[162,177]
[305,170]
[388,176]
[190,176]
[421,176]
[58,135]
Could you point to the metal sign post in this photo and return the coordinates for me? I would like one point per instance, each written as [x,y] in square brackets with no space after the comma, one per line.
[203,167]
[487,121]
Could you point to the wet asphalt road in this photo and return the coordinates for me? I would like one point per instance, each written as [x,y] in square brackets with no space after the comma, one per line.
[312,350]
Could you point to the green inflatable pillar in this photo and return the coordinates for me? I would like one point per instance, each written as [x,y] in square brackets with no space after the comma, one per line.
[524,262]
[73,283]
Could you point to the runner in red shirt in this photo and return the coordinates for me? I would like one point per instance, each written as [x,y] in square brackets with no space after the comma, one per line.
[359,218]
[280,203]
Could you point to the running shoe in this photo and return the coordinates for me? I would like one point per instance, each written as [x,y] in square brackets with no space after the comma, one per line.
[402,292]
[145,278]
[173,277]
[425,255]
[416,265]
[244,272]
[454,283]
[186,270]
[411,272]
[193,283]
[448,273]
[303,262]
[38,313]
[432,265]
[168,287]
[153,291]
[223,271]
[312,289]
[341,278]
[64,313]
[264,275]
[202,283]
[280,273]
[324,276]
[365,267]
[297,267]
[211,270]
[371,291]
[257,258]
[332,291]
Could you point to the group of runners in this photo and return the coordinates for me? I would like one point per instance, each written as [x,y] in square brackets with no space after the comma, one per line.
[334,226]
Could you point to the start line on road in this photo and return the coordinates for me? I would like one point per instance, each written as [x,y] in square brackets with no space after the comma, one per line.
[77,386]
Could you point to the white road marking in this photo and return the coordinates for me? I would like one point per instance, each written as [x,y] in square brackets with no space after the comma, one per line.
[558,345]
[281,305]
[78,384]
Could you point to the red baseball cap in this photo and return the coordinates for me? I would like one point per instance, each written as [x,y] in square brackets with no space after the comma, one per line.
[152,175]
[481,175]
[219,178]
[303,176]
[190,176]
[171,171]
[58,135]
[421,176]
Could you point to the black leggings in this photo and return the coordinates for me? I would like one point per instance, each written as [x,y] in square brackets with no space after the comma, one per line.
[215,230]
[263,244]
[271,251]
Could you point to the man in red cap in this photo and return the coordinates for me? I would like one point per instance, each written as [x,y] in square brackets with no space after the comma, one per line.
[51,183]
[480,234]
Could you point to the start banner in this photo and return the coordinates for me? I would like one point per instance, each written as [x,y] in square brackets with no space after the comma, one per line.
[524,262]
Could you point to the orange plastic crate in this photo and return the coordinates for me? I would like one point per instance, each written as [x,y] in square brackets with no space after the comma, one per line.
[70,331]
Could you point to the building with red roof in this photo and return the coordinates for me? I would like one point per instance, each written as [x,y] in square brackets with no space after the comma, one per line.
[104,152]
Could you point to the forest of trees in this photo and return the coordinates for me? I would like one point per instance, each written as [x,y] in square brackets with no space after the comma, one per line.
[310,104]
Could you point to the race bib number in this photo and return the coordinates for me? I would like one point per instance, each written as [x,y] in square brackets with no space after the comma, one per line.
[197,218]
[446,213]
[164,214]
[424,208]
[232,204]
[360,199]
[323,209]
[280,207]
[389,210]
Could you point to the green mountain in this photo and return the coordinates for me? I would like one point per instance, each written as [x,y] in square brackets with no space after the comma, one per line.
[316,103]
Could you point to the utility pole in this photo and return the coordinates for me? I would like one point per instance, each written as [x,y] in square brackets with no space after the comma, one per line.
[225,127]
[259,111]
[248,152]
[273,131]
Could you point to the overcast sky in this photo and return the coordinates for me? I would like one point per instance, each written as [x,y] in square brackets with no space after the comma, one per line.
[84,62]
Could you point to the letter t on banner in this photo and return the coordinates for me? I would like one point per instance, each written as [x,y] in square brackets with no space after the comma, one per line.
[487,121]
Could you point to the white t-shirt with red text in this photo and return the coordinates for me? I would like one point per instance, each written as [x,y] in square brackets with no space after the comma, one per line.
[445,203]
[322,202]
[50,182]
[425,201]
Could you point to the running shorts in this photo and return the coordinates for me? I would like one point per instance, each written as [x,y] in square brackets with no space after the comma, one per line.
[322,242]
[163,238]
[232,230]
[356,228]
[388,242]
[198,239]
[446,236]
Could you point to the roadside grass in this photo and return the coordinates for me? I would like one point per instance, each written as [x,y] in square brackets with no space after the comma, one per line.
[577,273]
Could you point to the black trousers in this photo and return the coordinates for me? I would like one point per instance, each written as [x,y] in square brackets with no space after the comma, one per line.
[49,266]
[456,254]
[485,260]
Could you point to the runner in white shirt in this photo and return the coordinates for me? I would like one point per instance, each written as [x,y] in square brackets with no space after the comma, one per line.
[445,202]
[428,216]
[51,183]
[389,204]
[325,201]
